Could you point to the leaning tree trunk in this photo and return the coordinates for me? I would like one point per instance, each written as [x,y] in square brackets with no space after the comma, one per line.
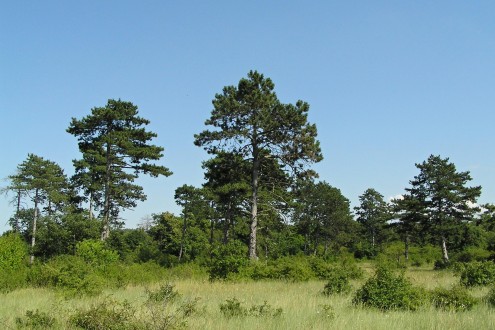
[183,239]
[444,250]
[254,207]
[106,212]
[35,219]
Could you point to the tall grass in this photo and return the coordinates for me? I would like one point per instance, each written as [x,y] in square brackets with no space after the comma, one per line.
[303,304]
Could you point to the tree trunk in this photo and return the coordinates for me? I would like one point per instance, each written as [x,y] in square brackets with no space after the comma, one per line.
[183,239]
[254,206]
[406,247]
[226,225]
[90,206]
[35,219]
[106,212]
[18,209]
[444,250]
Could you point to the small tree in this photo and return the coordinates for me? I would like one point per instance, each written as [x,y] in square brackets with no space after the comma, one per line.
[439,200]
[45,183]
[373,213]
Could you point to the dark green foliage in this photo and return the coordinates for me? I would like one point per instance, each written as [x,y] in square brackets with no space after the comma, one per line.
[35,320]
[323,216]
[455,299]
[388,291]
[476,273]
[13,262]
[438,205]
[337,283]
[234,308]
[227,259]
[248,120]
[473,253]
[115,147]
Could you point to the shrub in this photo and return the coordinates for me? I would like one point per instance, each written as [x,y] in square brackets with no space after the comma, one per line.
[233,308]
[94,252]
[476,273]
[13,267]
[227,259]
[338,283]
[455,299]
[108,314]
[490,297]
[388,291]
[473,253]
[35,320]
[165,293]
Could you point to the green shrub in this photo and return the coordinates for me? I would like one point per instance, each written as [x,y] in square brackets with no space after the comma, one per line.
[473,253]
[388,291]
[165,293]
[95,252]
[35,320]
[454,299]
[108,314]
[291,269]
[233,308]
[70,274]
[476,273]
[13,266]
[338,283]
[227,259]
[490,297]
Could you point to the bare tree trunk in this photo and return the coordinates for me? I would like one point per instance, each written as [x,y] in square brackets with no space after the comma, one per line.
[35,219]
[106,212]
[406,247]
[444,250]
[254,206]
[18,209]
[90,206]
[183,239]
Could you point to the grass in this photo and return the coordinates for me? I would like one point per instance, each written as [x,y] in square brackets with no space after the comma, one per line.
[304,307]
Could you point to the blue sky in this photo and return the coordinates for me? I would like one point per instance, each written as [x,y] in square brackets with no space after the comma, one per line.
[389,82]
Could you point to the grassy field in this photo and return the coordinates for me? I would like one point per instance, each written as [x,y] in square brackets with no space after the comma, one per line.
[303,306]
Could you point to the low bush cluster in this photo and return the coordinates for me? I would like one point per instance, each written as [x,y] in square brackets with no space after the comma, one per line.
[389,291]
[476,273]
[454,299]
[234,308]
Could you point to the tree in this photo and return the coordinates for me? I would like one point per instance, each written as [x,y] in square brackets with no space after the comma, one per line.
[45,183]
[323,215]
[250,121]
[440,199]
[116,149]
[373,213]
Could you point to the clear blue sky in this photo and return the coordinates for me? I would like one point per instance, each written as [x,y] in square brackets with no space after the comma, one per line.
[389,82]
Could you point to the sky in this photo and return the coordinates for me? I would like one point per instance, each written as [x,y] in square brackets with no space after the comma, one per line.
[388,82]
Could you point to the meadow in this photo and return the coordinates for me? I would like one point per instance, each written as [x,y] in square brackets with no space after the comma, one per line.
[274,304]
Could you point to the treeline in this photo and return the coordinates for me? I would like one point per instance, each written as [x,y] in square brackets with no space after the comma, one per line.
[260,198]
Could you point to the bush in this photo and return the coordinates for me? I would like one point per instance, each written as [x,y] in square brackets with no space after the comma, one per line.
[108,314]
[233,308]
[455,299]
[227,259]
[338,283]
[476,273]
[473,253]
[490,297]
[13,266]
[35,320]
[388,291]
[94,252]
[165,293]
